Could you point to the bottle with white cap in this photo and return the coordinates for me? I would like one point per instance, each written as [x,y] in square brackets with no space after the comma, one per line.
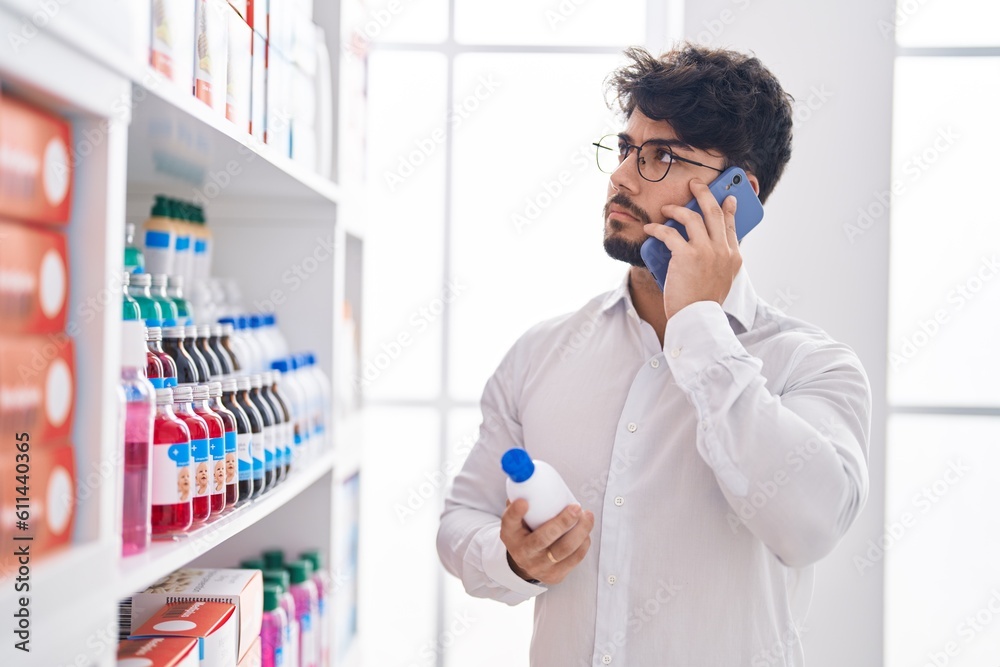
[538,483]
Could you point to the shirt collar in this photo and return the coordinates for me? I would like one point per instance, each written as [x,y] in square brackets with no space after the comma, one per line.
[740,303]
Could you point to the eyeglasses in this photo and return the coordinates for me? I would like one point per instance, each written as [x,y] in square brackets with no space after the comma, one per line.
[654,161]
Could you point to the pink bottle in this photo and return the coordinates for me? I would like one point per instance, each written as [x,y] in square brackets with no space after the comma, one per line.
[171,469]
[324,590]
[306,610]
[273,629]
[216,448]
[154,336]
[140,406]
[280,579]
[229,442]
[200,460]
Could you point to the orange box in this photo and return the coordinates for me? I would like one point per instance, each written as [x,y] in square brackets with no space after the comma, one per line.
[34,279]
[37,385]
[158,652]
[243,588]
[49,506]
[253,656]
[36,170]
[213,624]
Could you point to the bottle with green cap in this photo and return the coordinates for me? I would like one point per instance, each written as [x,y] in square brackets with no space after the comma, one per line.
[274,559]
[324,591]
[306,610]
[281,579]
[130,307]
[158,238]
[252,564]
[273,629]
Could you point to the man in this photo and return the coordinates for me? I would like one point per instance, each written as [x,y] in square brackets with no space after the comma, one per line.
[717,447]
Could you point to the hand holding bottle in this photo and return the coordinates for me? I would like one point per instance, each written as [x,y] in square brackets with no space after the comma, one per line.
[548,553]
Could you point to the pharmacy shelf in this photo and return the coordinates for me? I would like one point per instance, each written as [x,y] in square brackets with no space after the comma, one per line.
[176,138]
[137,572]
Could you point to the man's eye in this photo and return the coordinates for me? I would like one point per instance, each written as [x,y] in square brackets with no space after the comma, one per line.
[663,155]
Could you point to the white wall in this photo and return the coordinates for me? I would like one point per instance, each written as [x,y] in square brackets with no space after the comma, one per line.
[834,59]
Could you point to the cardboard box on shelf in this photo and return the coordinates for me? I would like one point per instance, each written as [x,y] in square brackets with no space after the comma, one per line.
[211,53]
[34,279]
[212,624]
[158,652]
[36,169]
[37,385]
[172,41]
[253,656]
[258,87]
[243,588]
[44,499]
[239,64]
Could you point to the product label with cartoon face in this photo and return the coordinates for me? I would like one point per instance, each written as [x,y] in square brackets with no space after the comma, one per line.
[171,473]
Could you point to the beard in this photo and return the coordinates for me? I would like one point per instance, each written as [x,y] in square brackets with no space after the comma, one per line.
[617,247]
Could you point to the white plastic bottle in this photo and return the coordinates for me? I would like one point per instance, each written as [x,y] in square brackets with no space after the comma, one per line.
[538,483]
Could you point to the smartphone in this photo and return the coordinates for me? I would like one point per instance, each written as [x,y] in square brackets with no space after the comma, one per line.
[749,212]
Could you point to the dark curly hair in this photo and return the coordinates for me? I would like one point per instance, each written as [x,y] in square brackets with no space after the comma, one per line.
[714,99]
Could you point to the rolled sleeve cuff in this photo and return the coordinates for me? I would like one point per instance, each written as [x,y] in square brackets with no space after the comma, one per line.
[695,337]
[494,555]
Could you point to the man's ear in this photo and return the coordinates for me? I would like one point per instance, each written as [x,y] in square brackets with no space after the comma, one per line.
[754,183]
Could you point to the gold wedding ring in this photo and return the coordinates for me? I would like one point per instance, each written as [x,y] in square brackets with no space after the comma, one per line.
[551,557]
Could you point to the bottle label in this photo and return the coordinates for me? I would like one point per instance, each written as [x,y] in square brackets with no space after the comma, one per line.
[202,474]
[229,444]
[257,451]
[268,438]
[171,473]
[306,640]
[217,448]
[243,456]
[170,382]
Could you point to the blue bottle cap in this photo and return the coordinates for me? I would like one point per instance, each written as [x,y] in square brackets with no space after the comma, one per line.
[311,358]
[282,365]
[241,322]
[228,320]
[256,321]
[517,464]
[270,320]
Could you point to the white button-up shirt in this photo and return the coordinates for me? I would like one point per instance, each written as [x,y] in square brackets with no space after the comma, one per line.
[719,467]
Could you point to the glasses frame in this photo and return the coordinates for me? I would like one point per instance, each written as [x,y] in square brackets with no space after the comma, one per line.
[638,151]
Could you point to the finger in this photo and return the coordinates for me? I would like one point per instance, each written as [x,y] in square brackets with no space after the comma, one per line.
[550,531]
[729,212]
[711,213]
[670,236]
[512,521]
[567,545]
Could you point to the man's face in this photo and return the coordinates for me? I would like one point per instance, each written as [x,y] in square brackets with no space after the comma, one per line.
[633,201]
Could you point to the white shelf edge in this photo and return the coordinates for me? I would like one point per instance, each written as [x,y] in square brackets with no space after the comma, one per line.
[137,572]
[167,91]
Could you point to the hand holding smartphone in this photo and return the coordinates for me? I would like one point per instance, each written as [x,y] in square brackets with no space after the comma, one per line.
[749,212]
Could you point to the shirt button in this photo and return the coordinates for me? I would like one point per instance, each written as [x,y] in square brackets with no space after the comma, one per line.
[612,579]
[676,352]
[606,659]
[655,363]
[619,501]
[632,427]
[704,423]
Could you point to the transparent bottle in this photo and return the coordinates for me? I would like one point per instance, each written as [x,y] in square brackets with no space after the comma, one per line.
[134,260]
[202,342]
[175,291]
[149,309]
[171,469]
[191,345]
[137,447]
[230,446]
[130,307]
[200,459]
[154,338]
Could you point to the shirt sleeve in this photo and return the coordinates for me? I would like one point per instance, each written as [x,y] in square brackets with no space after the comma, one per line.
[793,465]
[468,539]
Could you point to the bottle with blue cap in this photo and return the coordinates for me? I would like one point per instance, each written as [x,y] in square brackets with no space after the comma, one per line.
[538,483]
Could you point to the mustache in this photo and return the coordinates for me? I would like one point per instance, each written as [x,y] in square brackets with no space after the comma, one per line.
[622,200]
